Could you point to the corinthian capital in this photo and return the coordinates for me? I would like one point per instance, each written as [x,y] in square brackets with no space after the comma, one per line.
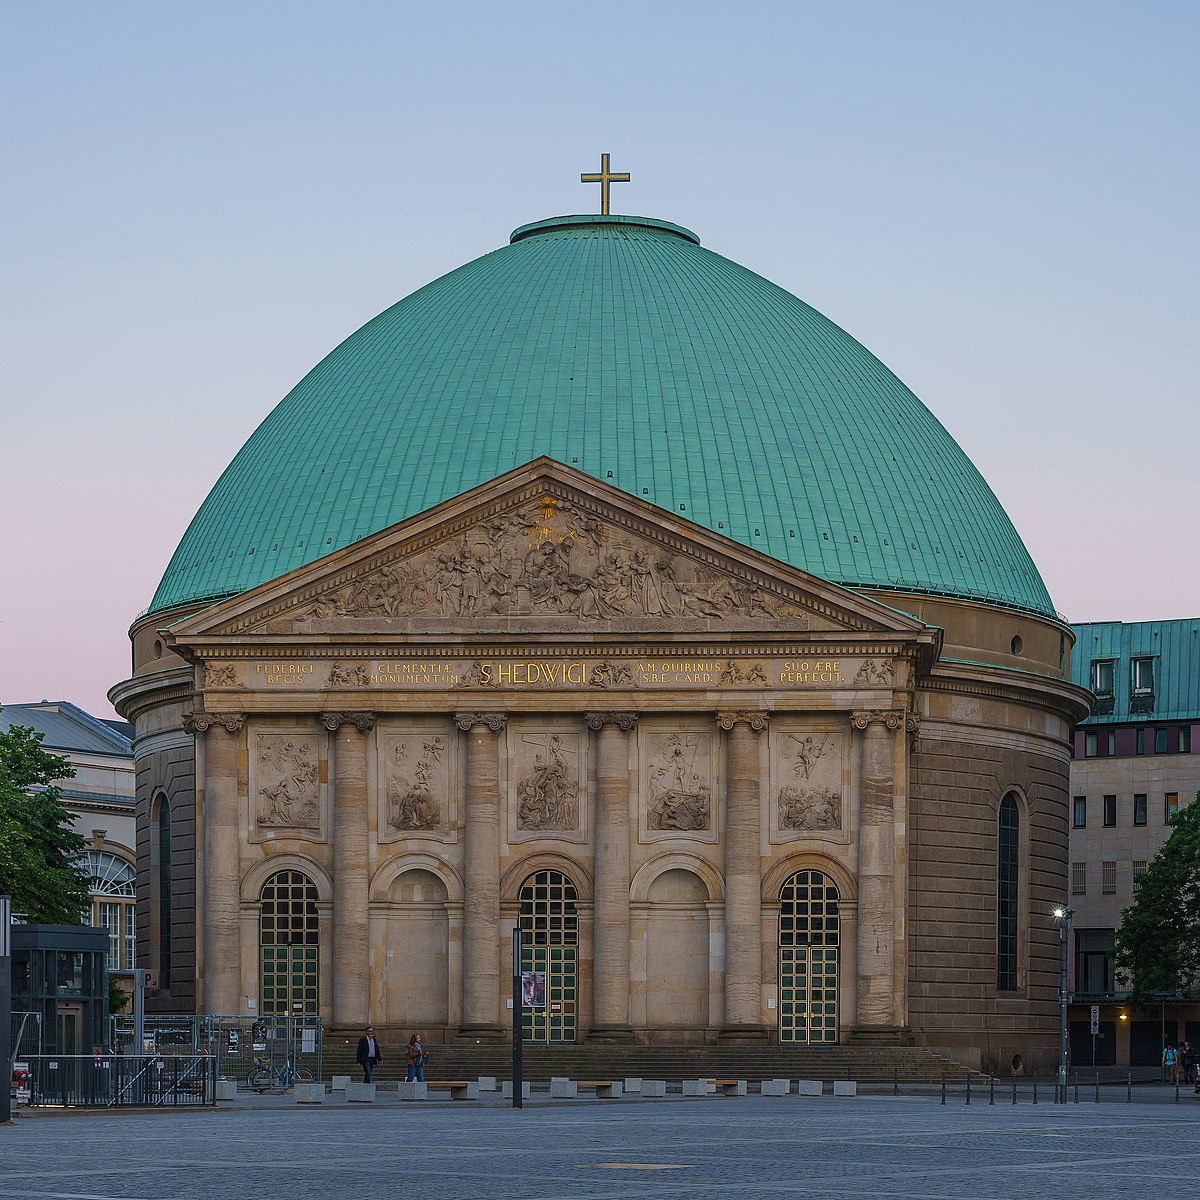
[624,720]
[756,720]
[363,721]
[495,721]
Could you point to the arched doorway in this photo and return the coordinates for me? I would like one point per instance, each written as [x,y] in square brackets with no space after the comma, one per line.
[550,943]
[288,974]
[808,959]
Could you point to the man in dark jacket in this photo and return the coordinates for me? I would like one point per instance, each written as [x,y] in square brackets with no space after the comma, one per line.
[368,1056]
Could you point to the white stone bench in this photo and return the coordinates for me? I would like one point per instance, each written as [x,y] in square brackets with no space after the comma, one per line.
[775,1087]
[728,1087]
[459,1089]
[411,1090]
[845,1087]
[654,1089]
[309,1093]
[339,1083]
[360,1093]
[809,1087]
[506,1090]
[606,1089]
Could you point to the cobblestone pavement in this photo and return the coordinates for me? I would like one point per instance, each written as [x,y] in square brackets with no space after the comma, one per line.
[872,1146]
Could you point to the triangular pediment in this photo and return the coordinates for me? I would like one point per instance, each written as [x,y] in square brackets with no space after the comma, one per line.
[543,549]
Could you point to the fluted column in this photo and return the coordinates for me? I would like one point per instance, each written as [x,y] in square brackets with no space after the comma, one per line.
[351,908]
[876,871]
[481,885]
[221,937]
[610,973]
[743,886]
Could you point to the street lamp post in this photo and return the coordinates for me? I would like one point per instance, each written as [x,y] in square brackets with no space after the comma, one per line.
[1063,916]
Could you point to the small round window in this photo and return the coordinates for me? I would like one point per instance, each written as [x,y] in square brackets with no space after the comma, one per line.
[1016,644]
[157,648]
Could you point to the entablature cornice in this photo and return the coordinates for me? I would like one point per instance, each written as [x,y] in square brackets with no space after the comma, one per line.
[1065,699]
[141,693]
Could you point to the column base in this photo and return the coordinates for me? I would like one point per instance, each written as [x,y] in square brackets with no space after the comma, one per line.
[881,1035]
[482,1033]
[743,1033]
[610,1034]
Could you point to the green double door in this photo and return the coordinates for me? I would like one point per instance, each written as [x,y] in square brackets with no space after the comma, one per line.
[550,944]
[808,959]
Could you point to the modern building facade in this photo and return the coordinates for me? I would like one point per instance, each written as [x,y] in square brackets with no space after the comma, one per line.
[1133,767]
[605,590]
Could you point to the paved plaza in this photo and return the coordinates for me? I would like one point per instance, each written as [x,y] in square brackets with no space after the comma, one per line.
[872,1146]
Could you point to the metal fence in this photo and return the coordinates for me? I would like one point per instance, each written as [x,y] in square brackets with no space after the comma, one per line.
[119,1081]
[274,1047]
[165,1033]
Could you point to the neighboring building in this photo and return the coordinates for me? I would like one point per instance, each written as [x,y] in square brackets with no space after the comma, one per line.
[101,799]
[604,589]
[1137,761]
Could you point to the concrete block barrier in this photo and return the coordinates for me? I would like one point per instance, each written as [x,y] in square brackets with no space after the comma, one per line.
[775,1087]
[416,1090]
[506,1090]
[809,1087]
[654,1089]
[487,1083]
[563,1089]
[845,1087]
[360,1093]
[339,1083]
[309,1093]
[633,1085]
[226,1089]
[695,1087]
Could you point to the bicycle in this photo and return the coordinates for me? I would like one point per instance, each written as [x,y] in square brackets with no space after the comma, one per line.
[264,1074]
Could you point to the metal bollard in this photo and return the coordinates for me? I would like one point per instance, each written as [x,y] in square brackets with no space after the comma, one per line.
[1176,1089]
[896,1082]
[1097,1087]
[968,1089]
[1076,1087]
[849,1073]
[1035,1088]
[1129,1087]
[943,1087]
[1014,1089]
[991,1089]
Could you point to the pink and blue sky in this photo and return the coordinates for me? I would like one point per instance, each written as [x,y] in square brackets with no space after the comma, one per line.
[202,200]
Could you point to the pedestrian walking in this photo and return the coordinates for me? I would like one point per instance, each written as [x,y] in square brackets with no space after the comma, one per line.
[368,1055]
[1170,1057]
[416,1059]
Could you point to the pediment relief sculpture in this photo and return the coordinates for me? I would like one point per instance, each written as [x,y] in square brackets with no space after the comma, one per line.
[810,798]
[416,783]
[678,795]
[548,790]
[287,781]
[549,559]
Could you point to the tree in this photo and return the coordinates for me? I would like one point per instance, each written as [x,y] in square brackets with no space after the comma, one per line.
[1158,943]
[37,843]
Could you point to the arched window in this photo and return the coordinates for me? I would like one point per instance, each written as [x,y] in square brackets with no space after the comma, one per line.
[1007,896]
[289,966]
[160,888]
[112,889]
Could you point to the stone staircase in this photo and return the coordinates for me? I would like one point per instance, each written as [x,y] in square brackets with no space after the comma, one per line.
[865,1064]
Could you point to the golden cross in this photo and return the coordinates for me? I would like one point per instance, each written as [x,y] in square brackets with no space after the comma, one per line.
[604,178]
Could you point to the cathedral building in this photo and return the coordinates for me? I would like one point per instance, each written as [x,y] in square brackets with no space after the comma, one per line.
[605,590]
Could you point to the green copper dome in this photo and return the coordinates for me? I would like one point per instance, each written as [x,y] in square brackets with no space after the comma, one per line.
[619,346]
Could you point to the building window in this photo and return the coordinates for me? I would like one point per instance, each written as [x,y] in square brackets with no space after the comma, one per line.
[1080,820]
[1160,741]
[1089,745]
[1108,878]
[160,889]
[1110,810]
[113,905]
[1110,742]
[1102,676]
[1094,974]
[1139,869]
[1185,739]
[1141,741]
[1007,900]
[1139,810]
[1170,806]
[1143,676]
[1079,879]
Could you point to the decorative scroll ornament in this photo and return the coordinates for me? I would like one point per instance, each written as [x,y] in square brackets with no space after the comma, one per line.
[201,722]
[548,797]
[893,718]
[756,720]
[222,676]
[363,721]
[881,672]
[467,721]
[912,726]
[412,805]
[735,674]
[626,721]
[548,559]
[290,788]
[679,794]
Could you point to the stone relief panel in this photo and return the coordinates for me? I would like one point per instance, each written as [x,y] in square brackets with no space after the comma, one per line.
[417,767]
[678,773]
[288,792]
[548,558]
[547,775]
[810,783]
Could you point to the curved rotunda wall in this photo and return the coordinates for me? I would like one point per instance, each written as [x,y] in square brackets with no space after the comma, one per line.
[621,347]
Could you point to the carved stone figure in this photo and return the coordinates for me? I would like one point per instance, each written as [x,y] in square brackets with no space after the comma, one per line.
[612,674]
[289,783]
[343,674]
[872,672]
[548,797]
[807,751]
[473,677]
[412,804]
[678,795]
[733,674]
[817,808]
[222,676]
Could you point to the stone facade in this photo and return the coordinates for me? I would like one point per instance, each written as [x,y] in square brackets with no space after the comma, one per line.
[546,679]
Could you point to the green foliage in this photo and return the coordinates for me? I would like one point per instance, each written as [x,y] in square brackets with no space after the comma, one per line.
[118,997]
[37,842]
[1158,943]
